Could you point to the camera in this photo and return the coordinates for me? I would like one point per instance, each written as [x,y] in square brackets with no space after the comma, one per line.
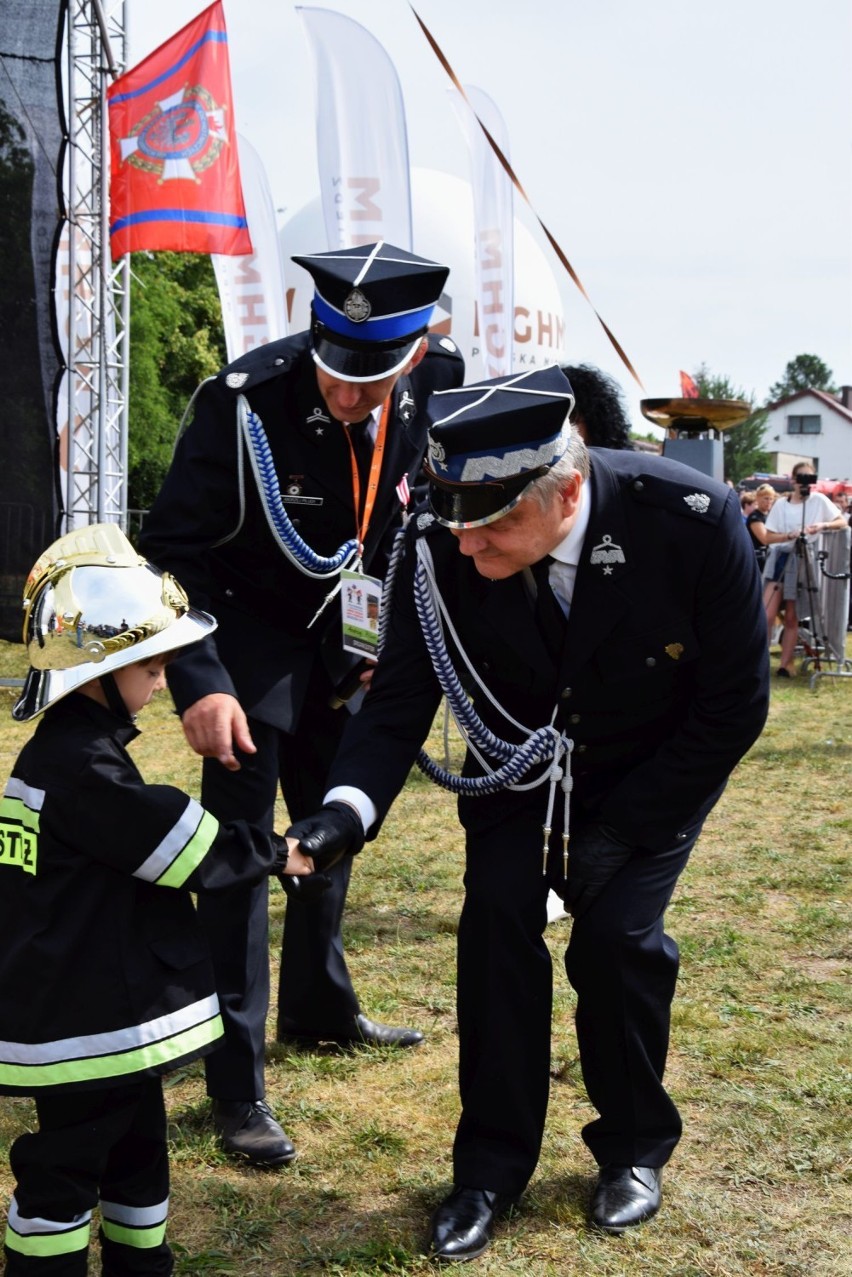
[805,480]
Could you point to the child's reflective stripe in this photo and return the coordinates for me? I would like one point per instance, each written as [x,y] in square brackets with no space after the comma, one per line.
[141,1227]
[46,1237]
[103,1055]
[183,848]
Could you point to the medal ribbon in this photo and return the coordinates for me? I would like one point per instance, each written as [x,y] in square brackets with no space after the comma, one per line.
[373,478]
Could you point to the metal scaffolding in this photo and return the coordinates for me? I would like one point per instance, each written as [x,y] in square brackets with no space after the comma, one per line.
[97,304]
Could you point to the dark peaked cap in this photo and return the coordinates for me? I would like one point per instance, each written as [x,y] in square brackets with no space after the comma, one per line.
[489,441]
[371,305]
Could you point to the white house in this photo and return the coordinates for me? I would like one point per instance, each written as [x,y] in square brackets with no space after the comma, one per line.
[811,426]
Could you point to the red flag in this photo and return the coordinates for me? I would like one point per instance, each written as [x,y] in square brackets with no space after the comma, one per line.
[175,177]
[688,388]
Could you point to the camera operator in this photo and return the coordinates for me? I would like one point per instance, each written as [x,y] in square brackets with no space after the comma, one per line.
[801,517]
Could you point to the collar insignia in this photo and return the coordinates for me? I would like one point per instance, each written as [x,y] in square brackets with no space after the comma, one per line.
[606,555]
[235,380]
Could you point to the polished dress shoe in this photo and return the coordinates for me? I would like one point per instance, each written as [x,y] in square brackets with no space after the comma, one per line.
[625,1195]
[359,1032]
[247,1128]
[463,1223]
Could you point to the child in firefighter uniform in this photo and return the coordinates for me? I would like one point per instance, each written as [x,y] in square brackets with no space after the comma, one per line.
[105,981]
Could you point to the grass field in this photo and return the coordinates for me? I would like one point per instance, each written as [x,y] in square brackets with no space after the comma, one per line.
[760,1064]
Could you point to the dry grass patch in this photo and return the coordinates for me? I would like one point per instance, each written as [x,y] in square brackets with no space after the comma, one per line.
[760,1062]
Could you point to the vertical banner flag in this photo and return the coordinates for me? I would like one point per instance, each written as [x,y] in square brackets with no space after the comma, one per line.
[688,388]
[362,145]
[251,289]
[493,215]
[175,177]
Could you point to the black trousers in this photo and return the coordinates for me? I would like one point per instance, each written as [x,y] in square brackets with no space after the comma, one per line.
[104,1147]
[623,967]
[315,989]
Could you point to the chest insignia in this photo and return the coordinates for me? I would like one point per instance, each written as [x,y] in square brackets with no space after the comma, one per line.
[235,380]
[674,650]
[606,555]
[698,501]
[406,406]
[294,485]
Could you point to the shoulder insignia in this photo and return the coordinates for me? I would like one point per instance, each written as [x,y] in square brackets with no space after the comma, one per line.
[698,501]
[424,521]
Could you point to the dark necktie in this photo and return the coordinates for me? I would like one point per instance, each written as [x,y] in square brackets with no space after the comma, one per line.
[548,614]
[362,446]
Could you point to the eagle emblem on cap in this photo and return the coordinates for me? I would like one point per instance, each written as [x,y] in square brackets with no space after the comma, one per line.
[437,453]
[698,501]
[356,307]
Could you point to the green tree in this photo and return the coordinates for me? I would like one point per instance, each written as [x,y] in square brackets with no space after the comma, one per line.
[176,340]
[743,453]
[805,372]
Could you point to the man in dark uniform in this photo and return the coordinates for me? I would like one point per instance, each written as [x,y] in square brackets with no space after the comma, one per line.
[295,464]
[617,727]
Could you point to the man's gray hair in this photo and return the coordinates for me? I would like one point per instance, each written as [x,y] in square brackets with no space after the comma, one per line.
[575,458]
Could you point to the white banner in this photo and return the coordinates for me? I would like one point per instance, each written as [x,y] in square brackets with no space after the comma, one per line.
[494,230]
[251,289]
[362,146]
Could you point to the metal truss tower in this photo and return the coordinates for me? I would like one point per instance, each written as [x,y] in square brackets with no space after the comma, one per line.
[95,308]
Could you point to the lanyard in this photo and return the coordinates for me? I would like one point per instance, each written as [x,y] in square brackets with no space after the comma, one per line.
[373,478]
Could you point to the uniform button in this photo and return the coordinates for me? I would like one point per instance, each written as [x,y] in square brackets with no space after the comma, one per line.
[650,661]
[580,749]
[229,594]
[566,693]
[573,718]
[638,485]
[278,363]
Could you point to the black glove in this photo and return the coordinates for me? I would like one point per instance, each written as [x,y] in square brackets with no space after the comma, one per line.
[595,854]
[305,887]
[330,834]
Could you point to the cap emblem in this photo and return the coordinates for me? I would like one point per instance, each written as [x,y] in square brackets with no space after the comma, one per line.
[356,307]
[437,453]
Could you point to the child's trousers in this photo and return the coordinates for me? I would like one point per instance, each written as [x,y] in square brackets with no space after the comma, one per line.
[102,1148]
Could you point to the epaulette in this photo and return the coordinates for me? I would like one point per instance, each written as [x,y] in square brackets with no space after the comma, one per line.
[441,344]
[692,501]
[259,365]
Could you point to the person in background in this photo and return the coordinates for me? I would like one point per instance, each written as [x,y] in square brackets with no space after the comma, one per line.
[748,501]
[296,464]
[600,415]
[105,979]
[593,594]
[800,518]
[764,498]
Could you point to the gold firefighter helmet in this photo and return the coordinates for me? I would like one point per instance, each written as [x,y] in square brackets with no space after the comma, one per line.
[92,605]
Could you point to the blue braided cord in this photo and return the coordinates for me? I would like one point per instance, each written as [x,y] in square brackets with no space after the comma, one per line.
[387,586]
[539,747]
[292,544]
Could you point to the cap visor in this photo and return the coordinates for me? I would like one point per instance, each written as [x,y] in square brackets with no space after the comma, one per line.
[472,505]
[361,365]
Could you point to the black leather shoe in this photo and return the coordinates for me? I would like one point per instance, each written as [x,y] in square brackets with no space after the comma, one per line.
[247,1128]
[463,1223]
[359,1032]
[625,1195]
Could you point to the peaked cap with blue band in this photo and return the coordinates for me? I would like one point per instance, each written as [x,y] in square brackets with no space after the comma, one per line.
[371,305]
[488,442]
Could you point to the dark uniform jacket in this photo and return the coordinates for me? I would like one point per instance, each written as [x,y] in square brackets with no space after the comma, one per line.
[209,529]
[662,680]
[104,974]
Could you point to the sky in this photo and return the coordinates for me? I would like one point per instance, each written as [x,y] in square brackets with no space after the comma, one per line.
[693,161]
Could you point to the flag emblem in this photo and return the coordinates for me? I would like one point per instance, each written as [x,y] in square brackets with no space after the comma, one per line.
[180,138]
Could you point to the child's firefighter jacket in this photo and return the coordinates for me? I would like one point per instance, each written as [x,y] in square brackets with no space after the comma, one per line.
[104,973]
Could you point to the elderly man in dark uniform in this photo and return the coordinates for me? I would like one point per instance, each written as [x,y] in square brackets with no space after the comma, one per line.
[587,601]
[296,465]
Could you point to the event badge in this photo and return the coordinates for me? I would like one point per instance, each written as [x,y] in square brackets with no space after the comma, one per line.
[360,603]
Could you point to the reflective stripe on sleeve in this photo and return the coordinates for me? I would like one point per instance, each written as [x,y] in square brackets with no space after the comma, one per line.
[183,848]
[19,825]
